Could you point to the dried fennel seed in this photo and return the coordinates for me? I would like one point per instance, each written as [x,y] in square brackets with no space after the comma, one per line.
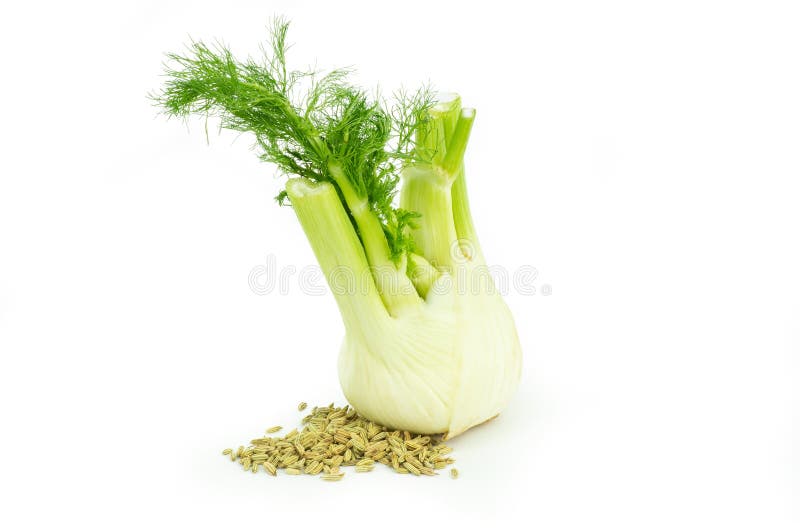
[337,436]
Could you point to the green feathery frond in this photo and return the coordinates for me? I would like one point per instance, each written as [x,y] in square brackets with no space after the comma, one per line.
[398,234]
[410,112]
[303,132]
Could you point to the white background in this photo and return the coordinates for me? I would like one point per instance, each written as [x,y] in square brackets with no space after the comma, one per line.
[643,156]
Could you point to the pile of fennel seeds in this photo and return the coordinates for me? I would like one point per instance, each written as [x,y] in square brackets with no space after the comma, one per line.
[332,438]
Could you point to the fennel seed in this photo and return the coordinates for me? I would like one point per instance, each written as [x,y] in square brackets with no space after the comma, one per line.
[332,437]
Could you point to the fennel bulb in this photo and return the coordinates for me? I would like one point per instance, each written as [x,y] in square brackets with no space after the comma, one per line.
[429,346]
